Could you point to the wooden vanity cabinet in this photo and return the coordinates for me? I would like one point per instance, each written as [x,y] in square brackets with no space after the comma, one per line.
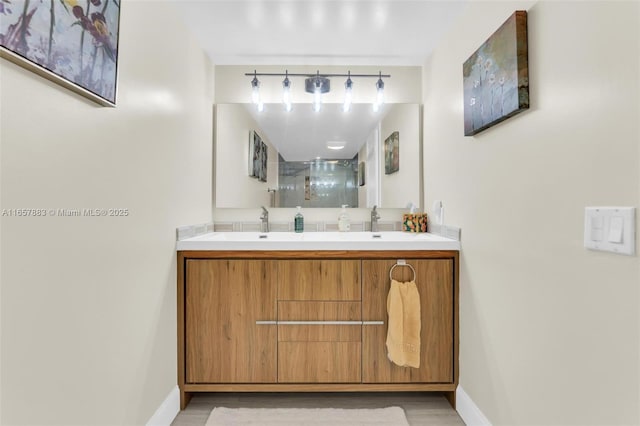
[288,321]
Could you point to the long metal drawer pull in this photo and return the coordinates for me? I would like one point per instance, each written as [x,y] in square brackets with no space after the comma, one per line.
[319,322]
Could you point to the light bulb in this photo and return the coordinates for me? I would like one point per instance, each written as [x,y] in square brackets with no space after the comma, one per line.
[317,97]
[380,97]
[286,93]
[348,95]
[379,94]
[255,90]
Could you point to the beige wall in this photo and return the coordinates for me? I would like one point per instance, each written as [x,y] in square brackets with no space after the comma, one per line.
[549,330]
[231,162]
[88,303]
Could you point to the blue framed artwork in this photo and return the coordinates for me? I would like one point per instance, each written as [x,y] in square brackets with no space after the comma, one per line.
[71,42]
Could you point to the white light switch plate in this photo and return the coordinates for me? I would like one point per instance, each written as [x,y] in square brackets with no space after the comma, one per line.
[610,229]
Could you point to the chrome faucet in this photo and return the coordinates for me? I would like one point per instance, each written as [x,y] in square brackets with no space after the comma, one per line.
[264,218]
[374,219]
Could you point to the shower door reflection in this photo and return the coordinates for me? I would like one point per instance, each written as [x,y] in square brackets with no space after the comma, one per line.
[318,183]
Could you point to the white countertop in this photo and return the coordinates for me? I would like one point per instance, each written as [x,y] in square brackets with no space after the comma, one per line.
[318,241]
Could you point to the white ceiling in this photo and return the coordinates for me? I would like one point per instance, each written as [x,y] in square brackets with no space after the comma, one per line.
[318,32]
[302,134]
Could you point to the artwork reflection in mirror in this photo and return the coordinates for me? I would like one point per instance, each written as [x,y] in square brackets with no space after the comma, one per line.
[257,157]
[392,153]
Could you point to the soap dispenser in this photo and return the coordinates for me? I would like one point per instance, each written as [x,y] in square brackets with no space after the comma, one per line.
[344,224]
[298,220]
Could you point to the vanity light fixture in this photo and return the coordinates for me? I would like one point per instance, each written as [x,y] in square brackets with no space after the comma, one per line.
[286,92]
[317,84]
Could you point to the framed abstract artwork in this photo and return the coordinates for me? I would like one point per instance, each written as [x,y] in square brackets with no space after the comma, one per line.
[361,173]
[255,155]
[263,160]
[496,77]
[392,153]
[72,43]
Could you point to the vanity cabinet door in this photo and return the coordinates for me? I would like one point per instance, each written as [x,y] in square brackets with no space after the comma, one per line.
[434,279]
[224,299]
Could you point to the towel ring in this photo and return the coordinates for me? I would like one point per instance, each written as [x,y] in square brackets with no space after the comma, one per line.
[402,263]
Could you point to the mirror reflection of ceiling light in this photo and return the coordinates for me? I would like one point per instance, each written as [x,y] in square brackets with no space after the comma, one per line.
[336,145]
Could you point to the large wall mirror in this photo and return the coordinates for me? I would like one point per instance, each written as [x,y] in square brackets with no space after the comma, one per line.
[328,158]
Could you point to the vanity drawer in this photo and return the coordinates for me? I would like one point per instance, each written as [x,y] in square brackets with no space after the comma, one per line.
[312,279]
[319,362]
[319,321]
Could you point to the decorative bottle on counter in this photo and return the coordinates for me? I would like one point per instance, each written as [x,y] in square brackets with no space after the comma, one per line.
[344,224]
[298,220]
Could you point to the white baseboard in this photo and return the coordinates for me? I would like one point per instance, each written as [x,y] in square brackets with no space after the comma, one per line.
[468,410]
[168,410]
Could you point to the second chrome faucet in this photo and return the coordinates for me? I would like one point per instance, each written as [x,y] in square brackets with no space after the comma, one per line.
[264,220]
[374,219]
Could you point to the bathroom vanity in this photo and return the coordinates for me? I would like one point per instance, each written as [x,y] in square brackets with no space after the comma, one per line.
[307,312]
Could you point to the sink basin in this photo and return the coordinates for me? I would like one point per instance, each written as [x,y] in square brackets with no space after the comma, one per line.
[318,241]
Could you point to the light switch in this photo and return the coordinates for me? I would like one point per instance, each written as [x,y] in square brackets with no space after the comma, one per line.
[616,226]
[597,228]
[610,229]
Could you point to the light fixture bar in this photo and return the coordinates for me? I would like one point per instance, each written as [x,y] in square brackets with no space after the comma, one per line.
[260,74]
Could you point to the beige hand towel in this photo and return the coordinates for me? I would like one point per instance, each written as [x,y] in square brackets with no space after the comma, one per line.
[403,334]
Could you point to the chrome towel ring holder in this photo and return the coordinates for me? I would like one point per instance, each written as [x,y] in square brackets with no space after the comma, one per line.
[402,262]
